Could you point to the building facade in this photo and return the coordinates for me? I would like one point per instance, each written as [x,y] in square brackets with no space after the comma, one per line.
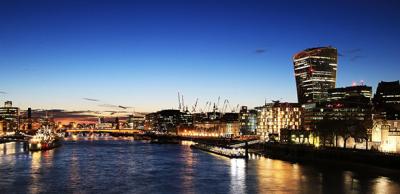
[348,103]
[349,92]
[315,73]
[273,117]
[168,121]
[10,116]
[386,135]
[248,121]
[387,100]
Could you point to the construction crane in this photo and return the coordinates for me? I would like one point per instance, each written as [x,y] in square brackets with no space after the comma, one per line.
[195,106]
[204,109]
[179,101]
[183,103]
[208,106]
[236,108]
[225,105]
[217,107]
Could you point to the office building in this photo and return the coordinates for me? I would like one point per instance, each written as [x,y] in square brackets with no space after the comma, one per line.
[273,117]
[10,116]
[387,100]
[315,73]
[248,121]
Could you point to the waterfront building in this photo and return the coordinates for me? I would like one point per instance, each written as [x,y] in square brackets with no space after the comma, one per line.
[2,132]
[150,121]
[248,121]
[213,124]
[386,128]
[386,135]
[168,121]
[10,116]
[347,103]
[273,117]
[387,100]
[315,73]
[136,121]
[345,115]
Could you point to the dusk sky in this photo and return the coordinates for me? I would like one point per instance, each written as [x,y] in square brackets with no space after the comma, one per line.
[140,54]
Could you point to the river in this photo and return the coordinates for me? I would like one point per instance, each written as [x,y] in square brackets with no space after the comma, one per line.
[128,166]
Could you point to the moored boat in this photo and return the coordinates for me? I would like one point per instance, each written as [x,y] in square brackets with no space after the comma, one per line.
[45,139]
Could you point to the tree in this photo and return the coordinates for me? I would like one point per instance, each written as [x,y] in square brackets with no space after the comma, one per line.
[361,130]
[326,129]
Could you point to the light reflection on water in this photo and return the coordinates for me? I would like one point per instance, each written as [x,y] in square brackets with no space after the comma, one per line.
[126,166]
[238,176]
[35,172]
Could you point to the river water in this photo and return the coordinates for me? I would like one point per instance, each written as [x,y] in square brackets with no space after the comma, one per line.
[127,166]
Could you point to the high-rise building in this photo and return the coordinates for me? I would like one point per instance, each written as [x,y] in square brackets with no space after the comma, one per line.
[347,103]
[315,73]
[350,92]
[387,100]
[10,116]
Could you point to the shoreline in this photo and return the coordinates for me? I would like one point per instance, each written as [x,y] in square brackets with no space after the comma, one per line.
[354,159]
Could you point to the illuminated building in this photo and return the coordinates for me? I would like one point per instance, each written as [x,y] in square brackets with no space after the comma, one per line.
[150,121]
[348,92]
[386,130]
[275,116]
[136,121]
[348,103]
[315,73]
[1,128]
[10,116]
[248,121]
[387,100]
[386,135]
[214,124]
[168,121]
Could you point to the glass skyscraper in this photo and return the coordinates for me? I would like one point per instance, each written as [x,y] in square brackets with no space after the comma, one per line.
[315,72]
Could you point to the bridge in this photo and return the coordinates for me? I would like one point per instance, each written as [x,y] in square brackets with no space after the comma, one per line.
[125,131]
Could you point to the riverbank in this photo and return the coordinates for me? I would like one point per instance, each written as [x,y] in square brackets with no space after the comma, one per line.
[306,153]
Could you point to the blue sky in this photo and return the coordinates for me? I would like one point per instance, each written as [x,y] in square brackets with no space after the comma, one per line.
[141,53]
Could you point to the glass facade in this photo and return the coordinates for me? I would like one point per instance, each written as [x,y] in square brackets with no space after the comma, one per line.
[315,73]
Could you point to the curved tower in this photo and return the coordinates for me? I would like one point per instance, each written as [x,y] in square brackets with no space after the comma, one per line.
[315,72]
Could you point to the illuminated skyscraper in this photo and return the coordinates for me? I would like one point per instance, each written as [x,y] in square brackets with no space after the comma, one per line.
[315,72]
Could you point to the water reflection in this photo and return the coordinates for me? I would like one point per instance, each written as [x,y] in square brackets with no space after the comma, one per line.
[187,172]
[35,172]
[126,166]
[12,148]
[238,176]
[74,173]
[284,176]
[384,185]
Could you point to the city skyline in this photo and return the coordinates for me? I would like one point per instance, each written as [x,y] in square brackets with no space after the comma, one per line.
[73,56]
